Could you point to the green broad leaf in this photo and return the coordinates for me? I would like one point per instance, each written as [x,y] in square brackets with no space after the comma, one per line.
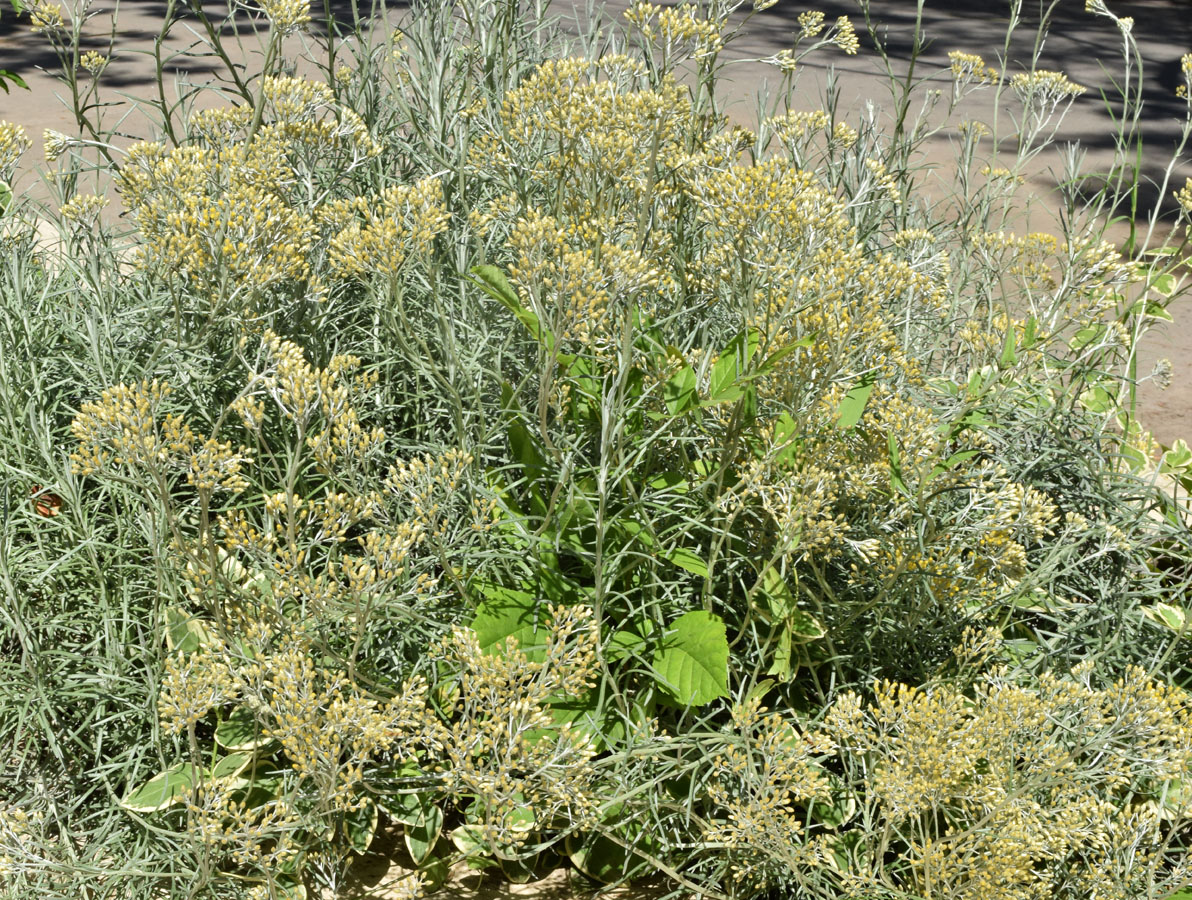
[1177,459]
[5,190]
[493,282]
[1165,285]
[162,791]
[1085,337]
[852,407]
[837,809]
[289,887]
[184,633]
[422,830]
[1177,799]
[679,391]
[1098,400]
[605,860]
[469,840]
[729,366]
[771,361]
[783,609]
[691,665]
[777,600]
[723,378]
[533,868]
[231,765]
[786,434]
[1009,349]
[600,859]
[1151,309]
[688,560]
[240,731]
[1169,615]
[782,658]
[1030,333]
[623,645]
[670,482]
[360,826]
[505,613]
[435,872]
[953,462]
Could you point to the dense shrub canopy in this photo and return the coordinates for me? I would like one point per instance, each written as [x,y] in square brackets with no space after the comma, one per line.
[483,450]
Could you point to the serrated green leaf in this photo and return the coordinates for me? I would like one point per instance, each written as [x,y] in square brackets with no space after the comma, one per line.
[505,613]
[691,665]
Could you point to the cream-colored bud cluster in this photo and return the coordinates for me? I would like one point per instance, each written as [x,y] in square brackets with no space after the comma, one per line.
[845,36]
[126,427]
[46,17]
[1043,91]
[227,212]
[968,68]
[83,210]
[376,238]
[287,16]
[503,747]
[14,141]
[1184,197]
[1007,792]
[673,26]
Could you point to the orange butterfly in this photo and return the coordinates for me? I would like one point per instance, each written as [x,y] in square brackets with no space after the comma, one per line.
[45,503]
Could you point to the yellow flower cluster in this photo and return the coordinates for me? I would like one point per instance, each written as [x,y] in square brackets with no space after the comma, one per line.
[378,236]
[46,17]
[126,427]
[763,783]
[1043,91]
[1007,793]
[968,68]
[83,209]
[287,16]
[504,748]
[674,26]
[1184,197]
[14,141]
[93,62]
[229,213]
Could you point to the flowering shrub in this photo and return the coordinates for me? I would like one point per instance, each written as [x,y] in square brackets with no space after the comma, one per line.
[480,451]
